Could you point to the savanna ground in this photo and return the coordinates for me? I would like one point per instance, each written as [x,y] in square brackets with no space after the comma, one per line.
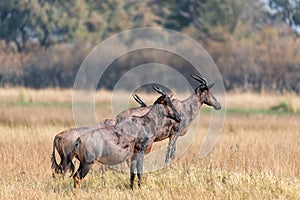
[256,157]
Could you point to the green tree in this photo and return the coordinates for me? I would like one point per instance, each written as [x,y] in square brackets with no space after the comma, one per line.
[44,21]
[106,17]
[205,15]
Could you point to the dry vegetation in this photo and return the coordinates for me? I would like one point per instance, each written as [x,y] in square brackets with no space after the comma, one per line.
[256,157]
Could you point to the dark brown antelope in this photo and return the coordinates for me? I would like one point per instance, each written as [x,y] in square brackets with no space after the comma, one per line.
[114,144]
[63,141]
[188,110]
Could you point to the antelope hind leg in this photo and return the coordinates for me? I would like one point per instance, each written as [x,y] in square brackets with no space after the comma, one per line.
[82,171]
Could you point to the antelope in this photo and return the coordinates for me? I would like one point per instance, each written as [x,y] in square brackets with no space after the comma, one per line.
[115,144]
[188,110]
[63,141]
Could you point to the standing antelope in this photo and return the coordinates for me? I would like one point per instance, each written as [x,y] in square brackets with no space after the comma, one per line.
[63,141]
[188,110]
[114,144]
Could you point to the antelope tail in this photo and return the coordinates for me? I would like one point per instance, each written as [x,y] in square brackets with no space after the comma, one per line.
[54,165]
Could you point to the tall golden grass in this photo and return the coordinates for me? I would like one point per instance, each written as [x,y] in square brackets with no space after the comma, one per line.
[256,157]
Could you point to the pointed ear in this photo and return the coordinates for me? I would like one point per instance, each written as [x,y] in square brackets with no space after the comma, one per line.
[211,85]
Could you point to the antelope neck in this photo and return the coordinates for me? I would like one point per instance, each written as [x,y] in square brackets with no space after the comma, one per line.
[156,114]
[191,106]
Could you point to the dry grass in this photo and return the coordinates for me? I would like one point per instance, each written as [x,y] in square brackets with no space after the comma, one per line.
[256,157]
[262,101]
[59,95]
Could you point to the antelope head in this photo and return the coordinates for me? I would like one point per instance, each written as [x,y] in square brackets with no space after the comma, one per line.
[204,94]
[166,101]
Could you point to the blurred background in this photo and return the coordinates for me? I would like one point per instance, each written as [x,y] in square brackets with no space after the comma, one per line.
[255,43]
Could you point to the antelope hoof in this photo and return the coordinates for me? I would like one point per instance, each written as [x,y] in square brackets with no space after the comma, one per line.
[76,182]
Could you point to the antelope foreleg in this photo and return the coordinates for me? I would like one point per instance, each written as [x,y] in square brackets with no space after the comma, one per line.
[173,153]
[132,169]
[140,162]
[171,148]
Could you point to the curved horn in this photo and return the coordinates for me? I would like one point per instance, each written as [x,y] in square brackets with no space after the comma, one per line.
[139,100]
[157,89]
[200,79]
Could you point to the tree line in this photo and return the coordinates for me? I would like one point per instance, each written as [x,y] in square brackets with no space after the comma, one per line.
[254,43]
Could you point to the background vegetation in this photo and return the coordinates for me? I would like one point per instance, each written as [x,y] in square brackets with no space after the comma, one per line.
[254,43]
